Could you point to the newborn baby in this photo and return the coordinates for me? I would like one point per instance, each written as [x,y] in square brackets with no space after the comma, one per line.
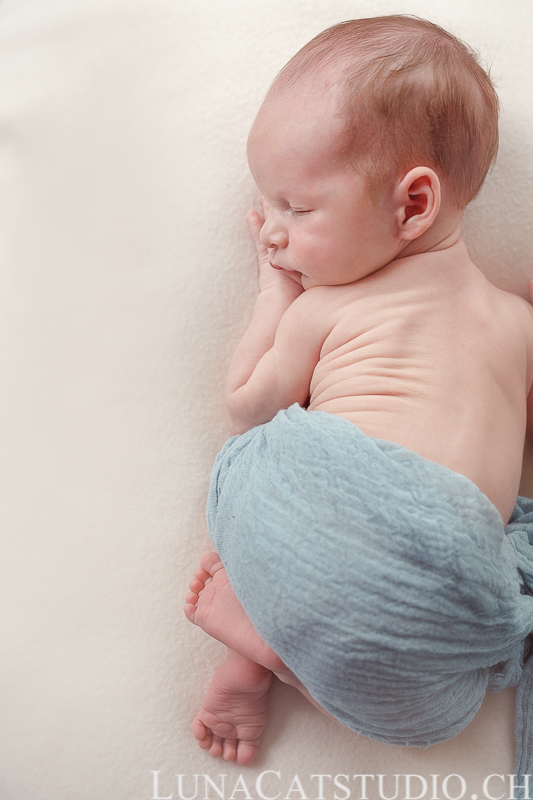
[379,360]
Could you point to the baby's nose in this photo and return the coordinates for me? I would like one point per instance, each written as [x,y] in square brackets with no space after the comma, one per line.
[273,233]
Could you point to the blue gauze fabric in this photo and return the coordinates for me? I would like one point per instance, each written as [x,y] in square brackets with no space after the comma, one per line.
[384,581]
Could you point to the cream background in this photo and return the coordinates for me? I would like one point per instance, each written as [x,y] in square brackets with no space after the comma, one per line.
[126,278]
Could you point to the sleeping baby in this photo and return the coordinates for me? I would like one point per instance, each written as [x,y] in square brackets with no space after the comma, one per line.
[370,548]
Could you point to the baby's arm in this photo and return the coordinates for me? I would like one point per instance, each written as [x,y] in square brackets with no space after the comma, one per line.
[274,361]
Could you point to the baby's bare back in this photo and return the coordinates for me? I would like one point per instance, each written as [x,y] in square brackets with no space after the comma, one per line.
[427,353]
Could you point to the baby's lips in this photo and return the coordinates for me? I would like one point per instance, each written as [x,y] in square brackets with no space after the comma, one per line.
[284,269]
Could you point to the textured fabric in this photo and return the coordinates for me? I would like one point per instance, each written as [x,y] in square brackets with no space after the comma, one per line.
[384,581]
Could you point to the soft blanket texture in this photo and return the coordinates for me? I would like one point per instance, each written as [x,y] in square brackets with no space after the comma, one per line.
[127,278]
[383,580]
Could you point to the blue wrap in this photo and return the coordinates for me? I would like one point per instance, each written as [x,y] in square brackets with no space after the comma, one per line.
[384,581]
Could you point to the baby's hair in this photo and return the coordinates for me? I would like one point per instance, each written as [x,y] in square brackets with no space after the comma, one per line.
[414,96]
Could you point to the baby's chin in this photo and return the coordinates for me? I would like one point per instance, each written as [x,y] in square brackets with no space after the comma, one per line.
[309,283]
[306,282]
[297,277]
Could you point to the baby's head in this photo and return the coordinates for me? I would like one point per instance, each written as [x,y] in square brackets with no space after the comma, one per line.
[411,94]
[374,101]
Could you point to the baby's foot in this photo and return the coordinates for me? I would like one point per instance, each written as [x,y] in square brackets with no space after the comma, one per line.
[212,604]
[234,712]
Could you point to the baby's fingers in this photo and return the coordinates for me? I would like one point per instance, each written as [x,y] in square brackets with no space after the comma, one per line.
[265,206]
[255,223]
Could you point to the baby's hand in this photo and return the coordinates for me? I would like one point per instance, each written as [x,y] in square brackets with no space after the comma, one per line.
[268,276]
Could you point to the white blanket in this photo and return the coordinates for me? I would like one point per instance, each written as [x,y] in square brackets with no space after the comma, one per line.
[127,276]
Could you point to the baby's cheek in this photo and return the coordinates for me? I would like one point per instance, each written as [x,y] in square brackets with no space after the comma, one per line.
[330,256]
[318,248]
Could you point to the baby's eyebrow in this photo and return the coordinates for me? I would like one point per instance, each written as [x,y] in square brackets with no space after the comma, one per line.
[304,193]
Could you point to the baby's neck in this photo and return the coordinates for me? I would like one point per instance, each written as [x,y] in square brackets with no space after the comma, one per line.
[442,235]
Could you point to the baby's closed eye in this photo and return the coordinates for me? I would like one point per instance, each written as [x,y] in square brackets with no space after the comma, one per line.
[299,211]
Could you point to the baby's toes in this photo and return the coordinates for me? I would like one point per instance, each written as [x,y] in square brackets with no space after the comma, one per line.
[210,563]
[246,753]
[201,733]
[229,749]
[196,585]
[215,751]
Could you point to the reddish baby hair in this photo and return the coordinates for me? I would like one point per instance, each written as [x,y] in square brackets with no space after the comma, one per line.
[413,95]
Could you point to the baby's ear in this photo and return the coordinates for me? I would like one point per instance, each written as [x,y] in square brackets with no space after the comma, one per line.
[418,199]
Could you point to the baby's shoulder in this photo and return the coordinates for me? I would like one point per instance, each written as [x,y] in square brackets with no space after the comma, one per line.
[515,307]
[515,316]
[329,299]
[309,317]
[525,315]
[321,302]
[323,307]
